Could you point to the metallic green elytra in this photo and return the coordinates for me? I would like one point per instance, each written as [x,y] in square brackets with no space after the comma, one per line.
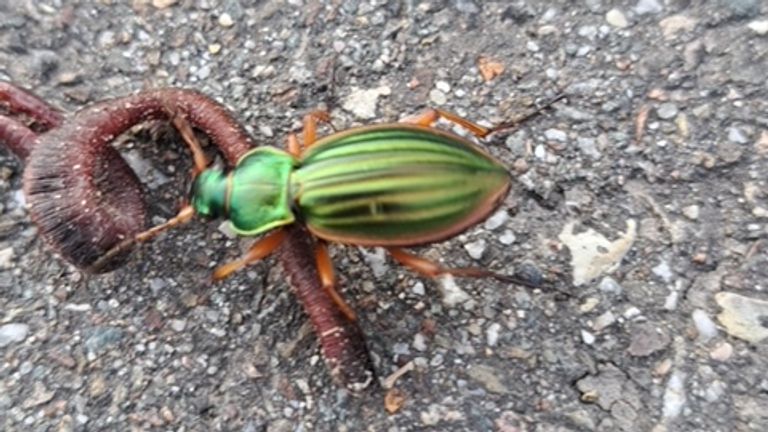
[384,185]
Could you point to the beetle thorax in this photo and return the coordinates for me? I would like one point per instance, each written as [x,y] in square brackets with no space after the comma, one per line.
[254,196]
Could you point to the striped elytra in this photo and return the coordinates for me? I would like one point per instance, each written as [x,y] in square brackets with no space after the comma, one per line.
[395,185]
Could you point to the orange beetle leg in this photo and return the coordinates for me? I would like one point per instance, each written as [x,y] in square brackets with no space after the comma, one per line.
[293,145]
[431,115]
[259,250]
[431,269]
[328,280]
[185,129]
[310,126]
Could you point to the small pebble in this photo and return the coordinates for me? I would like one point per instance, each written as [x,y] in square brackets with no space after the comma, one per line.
[6,258]
[162,4]
[663,271]
[759,27]
[437,360]
[700,258]
[476,248]
[452,294]
[419,342]
[588,31]
[667,111]
[704,325]
[437,97]
[443,86]
[13,332]
[743,317]
[588,305]
[631,312]
[691,212]
[760,212]
[418,289]
[743,8]
[603,321]
[555,135]
[587,337]
[609,285]
[736,135]
[672,25]
[507,238]
[362,102]
[722,352]
[674,396]
[492,334]
[178,325]
[226,21]
[647,339]
[488,377]
[616,18]
[266,131]
[648,7]
[498,219]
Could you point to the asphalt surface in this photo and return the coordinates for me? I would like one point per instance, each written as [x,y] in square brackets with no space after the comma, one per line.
[645,189]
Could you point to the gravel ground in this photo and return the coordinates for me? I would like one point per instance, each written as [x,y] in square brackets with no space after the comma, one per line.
[646,189]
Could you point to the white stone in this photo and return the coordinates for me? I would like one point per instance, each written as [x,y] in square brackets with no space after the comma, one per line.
[592,254]
[616,18]
[743,316]
[759,27]
[476,248]
[704,325]
[498,219]
[452,294]
[13,332]
[362,102]
[674,395]
[492,334]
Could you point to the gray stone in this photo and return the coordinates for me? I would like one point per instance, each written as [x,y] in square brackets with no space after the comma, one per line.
[667,111]
[13,333]
[103,338]
[647,338]
[476,248]
[648,7]
[488,377]
[555,135]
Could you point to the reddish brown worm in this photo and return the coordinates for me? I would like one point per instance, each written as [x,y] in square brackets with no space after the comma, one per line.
[85,199]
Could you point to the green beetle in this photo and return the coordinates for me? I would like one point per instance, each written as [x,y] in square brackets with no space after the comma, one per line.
[386,185]
[392,185]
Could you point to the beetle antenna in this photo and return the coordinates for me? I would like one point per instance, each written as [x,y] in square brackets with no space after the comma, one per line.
[514,124]
[185,215]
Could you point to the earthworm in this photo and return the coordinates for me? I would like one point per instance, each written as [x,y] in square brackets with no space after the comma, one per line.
[85,199]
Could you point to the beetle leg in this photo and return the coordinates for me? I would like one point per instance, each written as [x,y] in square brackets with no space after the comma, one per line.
[432,269]
[328,279]
[293,145]
[431,115]
[185,129]
[310,126]
[259,250]
[185,215]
